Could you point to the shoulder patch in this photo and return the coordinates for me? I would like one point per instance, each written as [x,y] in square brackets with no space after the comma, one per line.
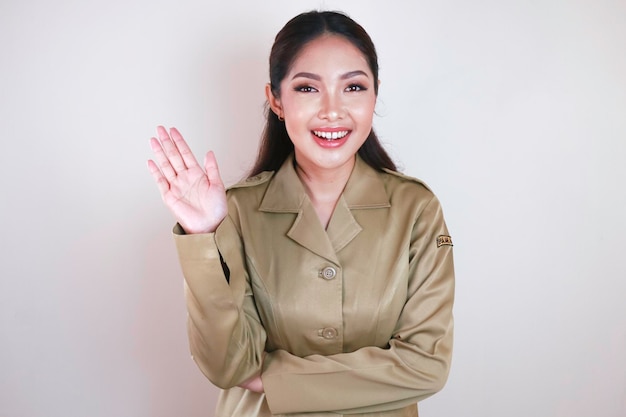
[255,180]
[444,240]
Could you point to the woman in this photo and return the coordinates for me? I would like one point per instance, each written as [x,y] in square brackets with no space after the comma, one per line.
[323,283]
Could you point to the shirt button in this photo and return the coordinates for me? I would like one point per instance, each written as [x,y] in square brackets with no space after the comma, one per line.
[328,333]
[328,273]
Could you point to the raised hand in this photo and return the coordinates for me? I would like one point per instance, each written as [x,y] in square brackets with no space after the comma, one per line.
[195,195]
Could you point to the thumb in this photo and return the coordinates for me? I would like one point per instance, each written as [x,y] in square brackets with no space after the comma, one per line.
[212,170]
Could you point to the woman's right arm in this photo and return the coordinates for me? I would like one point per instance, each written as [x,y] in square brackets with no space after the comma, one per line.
[225,335]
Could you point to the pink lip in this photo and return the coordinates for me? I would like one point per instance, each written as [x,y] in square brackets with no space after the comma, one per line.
[334,143]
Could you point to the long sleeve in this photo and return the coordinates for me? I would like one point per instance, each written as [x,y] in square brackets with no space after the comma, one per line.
[225,336]
[413,366]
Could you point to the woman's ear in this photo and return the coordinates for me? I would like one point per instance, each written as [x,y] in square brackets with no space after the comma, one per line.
[273,101]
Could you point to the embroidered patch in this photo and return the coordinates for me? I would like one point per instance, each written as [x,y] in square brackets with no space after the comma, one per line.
[444,240]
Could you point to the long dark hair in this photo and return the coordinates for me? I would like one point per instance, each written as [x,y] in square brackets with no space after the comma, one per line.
[275,144]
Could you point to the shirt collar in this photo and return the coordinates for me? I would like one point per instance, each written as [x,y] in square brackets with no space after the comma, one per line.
[364,190]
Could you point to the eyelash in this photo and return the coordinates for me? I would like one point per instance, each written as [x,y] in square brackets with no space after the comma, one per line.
[304,89]
[356,87]
[309,89]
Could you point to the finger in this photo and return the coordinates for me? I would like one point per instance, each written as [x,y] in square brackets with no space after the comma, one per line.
[212,170]
[185,152]
[171,151]
[163,161]
[162,182]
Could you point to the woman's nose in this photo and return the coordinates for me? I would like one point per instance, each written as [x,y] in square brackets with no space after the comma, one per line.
[332,107]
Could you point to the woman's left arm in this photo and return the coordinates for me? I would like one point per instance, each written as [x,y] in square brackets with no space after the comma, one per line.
[414,366]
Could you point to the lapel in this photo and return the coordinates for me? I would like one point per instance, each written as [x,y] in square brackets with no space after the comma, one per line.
[286,194]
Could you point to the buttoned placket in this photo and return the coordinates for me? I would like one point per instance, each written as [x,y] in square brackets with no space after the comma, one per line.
[309,233]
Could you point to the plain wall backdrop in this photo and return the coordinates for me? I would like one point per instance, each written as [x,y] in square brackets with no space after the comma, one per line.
[514,112]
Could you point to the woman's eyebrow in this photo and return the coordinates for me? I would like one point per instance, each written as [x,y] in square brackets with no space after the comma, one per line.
[307,75]
[316,77]
[352,74]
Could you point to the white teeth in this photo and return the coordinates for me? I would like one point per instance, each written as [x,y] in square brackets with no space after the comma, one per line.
[330,135]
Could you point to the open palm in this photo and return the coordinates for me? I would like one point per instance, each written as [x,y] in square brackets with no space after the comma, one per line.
[194,194]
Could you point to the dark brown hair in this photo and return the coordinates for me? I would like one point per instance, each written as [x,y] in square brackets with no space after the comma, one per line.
[275,144]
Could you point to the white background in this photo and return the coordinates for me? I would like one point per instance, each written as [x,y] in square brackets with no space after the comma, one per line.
[514,112]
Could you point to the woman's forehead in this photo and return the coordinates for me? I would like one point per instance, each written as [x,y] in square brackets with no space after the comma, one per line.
[329,54]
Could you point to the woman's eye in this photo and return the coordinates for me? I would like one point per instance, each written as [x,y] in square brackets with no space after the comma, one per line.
[355,87]
[305,89]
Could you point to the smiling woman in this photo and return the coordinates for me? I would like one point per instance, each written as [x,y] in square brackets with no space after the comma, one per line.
[327,102]
[324,282]
[334,96]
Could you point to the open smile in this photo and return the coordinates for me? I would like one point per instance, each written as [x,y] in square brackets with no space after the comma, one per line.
[331,135]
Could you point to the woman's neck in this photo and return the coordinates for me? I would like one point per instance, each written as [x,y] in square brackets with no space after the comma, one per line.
[324,187]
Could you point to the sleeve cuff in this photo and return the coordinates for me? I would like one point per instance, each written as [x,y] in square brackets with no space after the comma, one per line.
[195,246]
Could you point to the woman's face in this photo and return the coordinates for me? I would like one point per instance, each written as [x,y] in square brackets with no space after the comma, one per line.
[327,100]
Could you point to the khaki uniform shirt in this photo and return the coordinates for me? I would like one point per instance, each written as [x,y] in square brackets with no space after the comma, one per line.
[354,319]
